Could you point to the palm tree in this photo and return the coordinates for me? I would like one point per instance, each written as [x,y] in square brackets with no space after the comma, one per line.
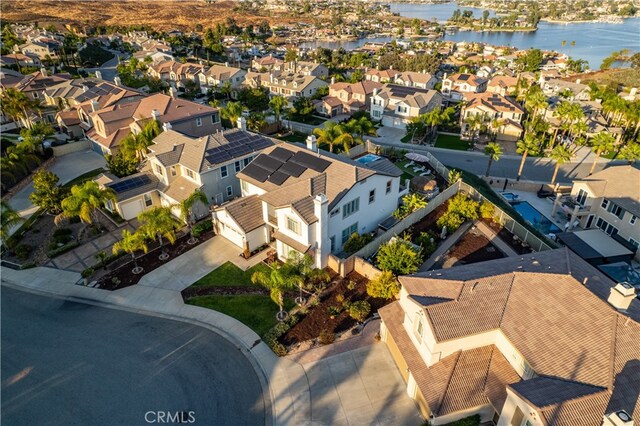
[131,243]
[278,104]
[364,126]
[529,144]
[232,112]
[9,218]
[630,152]
[562,112]
[304,274]
[561,155]
[277,281]
[83,202]
[334,134]
[186,210]
[17,105]
[494,152]
[157,223]
[474,122]
[35,136]
[602,142]
[536,100]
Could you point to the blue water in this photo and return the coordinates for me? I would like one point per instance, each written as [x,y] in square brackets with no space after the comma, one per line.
[621,272]
[367,158]
[509,196]
[594,41]
[536,219]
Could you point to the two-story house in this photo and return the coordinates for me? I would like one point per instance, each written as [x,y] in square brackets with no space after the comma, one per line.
[422,80]
[289,85]
[308,201]
[347,98]
[532,340]
[302,67]
[176,72]
[502,85]
[42,47]
[573,91]
[455,86]
[380,76]
[218,75]
[396,105]
[608,200]
[177,165]
[266,63]
[114,123]
[34,86]
[502,115]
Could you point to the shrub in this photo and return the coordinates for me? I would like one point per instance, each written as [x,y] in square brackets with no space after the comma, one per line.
[487,210]
[326,337]
[202,227]
[87,272]
[450,220]
[399,257]
[351,285]
[22,251]
[356,242]
[464,207]
[271,337]
[467,421]
[384,286]
[359,310]
[65,248]
[340,298]
[333,311]
[428,242]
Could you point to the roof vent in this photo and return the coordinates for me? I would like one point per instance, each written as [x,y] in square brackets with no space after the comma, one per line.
[622,295]
[618,418]
[535,262]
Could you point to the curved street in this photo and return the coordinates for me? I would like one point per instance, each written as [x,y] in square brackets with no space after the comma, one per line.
[68,363]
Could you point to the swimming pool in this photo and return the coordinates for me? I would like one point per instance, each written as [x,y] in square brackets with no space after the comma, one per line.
[536,219]
[510,197]
[369,158]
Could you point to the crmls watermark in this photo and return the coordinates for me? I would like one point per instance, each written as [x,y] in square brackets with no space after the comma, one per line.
[170,417]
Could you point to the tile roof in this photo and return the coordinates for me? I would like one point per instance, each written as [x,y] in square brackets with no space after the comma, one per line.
[492,101]
[413,96]
[180,188]
[470,79]
[246,212]
[620,184]
[291,242]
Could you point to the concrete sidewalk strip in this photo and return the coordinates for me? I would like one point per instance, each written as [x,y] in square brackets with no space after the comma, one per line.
[445,246]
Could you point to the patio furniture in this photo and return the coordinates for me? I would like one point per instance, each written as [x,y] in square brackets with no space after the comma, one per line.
[419,169]
[425,174]
[409,164]
[417,157]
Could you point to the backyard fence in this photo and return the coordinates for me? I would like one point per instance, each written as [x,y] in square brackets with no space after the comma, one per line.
[418,149]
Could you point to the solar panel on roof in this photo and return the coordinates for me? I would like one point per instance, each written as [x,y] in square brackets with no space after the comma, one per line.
[310,161]
[281,154]
[263,143]
[278,177]
[129,184]
[256,172]
[269,163]
[242,149]
[292,169]
[218,157]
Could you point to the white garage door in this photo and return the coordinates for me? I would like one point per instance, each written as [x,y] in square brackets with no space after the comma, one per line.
[387,121]
[131,210]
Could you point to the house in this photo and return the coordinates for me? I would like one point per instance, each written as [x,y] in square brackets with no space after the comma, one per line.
[34,86]
[559,64]
[422,80]
[608,200]
[266,63]
[395,105]
[289,85]
[502,115]
[82,92]
[19,60]
[42,47]
[178,165]
[347,98]
[502,85]
[537,339]
[308,201]
[114,123]
[380,76]
[302,67]
[454,87]
[155,55]
[176,72]
[218,75]
[568,89]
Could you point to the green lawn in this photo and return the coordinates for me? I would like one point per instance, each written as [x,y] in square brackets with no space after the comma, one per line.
[295,137]
[229,275]
[255,311]
[407,173]
[452,142]
[406,138]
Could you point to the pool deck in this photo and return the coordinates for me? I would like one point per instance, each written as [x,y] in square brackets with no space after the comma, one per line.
[544,206]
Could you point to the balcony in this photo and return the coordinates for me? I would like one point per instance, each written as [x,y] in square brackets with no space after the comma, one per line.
[569,205]
[272,220]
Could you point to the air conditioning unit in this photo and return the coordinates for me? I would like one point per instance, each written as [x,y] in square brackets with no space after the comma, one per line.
[618,418]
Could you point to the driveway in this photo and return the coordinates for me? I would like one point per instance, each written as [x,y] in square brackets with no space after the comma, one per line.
[68,363]
[359,387]
[67,168]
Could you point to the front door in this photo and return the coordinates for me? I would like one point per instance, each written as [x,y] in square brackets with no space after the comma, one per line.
[589,221]
[218,199]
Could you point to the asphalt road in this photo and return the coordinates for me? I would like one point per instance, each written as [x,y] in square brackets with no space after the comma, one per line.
[67,363]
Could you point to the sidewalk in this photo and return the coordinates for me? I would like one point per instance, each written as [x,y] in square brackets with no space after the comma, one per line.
[288,395]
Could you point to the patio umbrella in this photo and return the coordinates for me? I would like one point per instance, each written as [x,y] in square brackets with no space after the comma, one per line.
[417,157]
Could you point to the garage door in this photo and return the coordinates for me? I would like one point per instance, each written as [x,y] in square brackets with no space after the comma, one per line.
[387,121]
[131,210]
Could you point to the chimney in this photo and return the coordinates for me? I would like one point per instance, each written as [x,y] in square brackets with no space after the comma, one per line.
[323,244]
[312,144]
[617,418]
[167,126]
[578,81]
[333,81]
[444,77]
[117,81]
[85,88]
[98,75]
[375,91]
[226,64]
[94,105]
[355,174]
[155,114]
[173,92]
[622,295]
[242,123]
[43,71]
[391,67]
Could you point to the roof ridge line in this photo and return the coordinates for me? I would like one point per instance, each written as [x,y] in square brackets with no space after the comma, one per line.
[444,393]
[506,302]
[612,352]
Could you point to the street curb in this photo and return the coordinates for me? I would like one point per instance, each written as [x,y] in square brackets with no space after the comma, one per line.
[253,360]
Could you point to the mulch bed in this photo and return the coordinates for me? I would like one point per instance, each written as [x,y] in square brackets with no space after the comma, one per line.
[428,223]
[472,248]
[318,318]
[209,290]
[507,237]
[125,278]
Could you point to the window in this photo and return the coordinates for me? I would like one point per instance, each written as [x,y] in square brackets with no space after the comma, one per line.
[335,212]
[214,119]
[388,186]
[189,173]
[244,185]
[376,114]
[634,243]
[293,225]
[147,200]
[615,210]
[224,172]
[198,122]
[229,191]
[518,417]
[350,208]
[159,170]
[332,240]
[174,171]
[238,165]
[419,328]
[582,197]
[246,161]
[346,233]
[604,203]
[633,219]
[372,196]
[608,228]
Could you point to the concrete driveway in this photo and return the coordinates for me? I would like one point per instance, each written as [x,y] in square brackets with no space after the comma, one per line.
[359,387]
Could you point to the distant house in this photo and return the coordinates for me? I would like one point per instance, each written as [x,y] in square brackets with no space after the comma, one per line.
[422,80]
[176,72]
[395,105]
[502,85]
[19,59]
[575,91]
[112,124]
[380,76]
[308,201]
[288,85]
[455,86]
[494,109]
[538,339]
[302,67]
[347,98]
[266,63]
[42,47]
[219,75]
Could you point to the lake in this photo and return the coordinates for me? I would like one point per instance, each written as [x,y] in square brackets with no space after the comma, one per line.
[594,40]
